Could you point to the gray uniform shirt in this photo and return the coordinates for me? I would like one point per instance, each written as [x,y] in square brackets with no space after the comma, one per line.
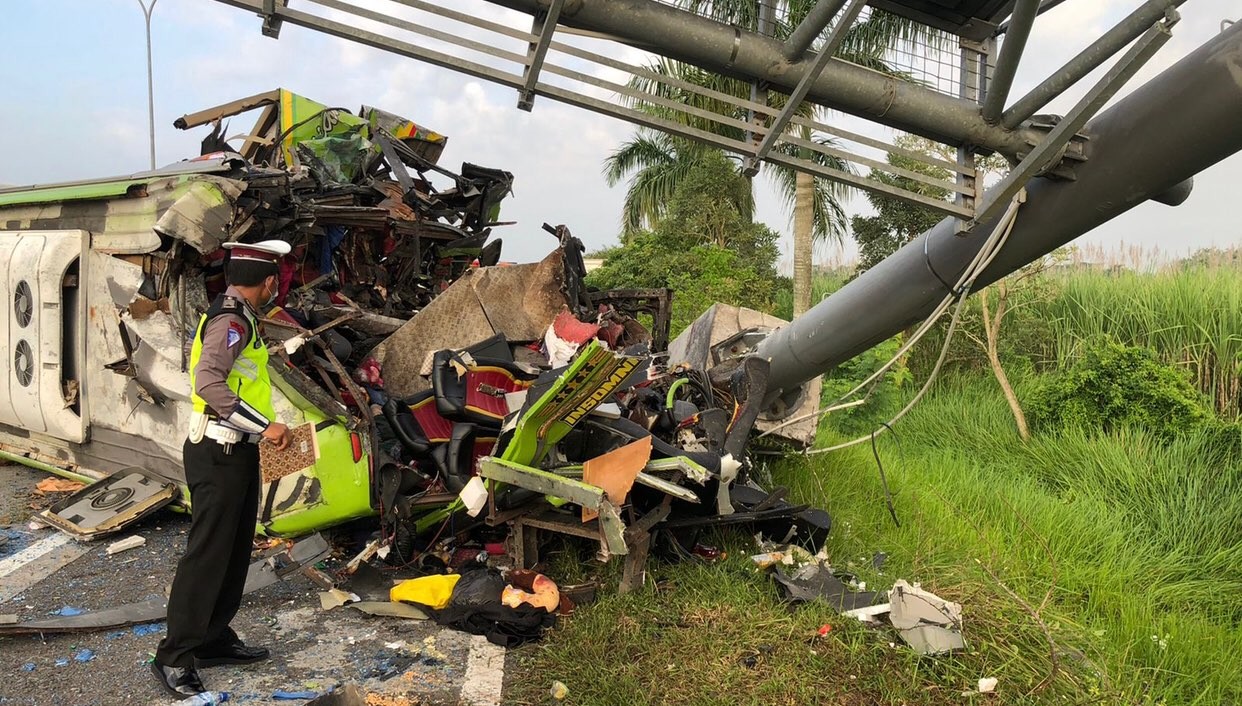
[223,340]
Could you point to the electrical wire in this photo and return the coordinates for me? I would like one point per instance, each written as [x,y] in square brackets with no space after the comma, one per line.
[888,495]
[982,259]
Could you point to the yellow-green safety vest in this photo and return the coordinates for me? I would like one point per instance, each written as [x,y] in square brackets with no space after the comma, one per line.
[248,378]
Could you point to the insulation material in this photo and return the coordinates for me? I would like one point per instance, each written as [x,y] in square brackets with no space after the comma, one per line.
[518,302]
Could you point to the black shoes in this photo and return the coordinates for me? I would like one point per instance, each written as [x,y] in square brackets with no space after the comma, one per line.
[178,681]
[237,653]
[184,681]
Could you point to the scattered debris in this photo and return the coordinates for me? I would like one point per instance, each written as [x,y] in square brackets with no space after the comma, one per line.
[558,691]
[281,695]
[28,667]
[927,622]
[149,629]
[987,685]
[385,666]
[125,544]
[276,563]
[58,485]
[335,597]
[476,608]
[816,581]
[206,698]
[432,592]
[84,655]
[109,505]
[389,610]
[346,695]
[534,590]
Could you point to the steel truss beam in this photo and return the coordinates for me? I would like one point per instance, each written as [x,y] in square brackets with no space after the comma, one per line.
[1111,42]
[715,46]
[536,54]
[490,47]
[777,129]
[1049,148]
[1178,139]
[1019,30]
[804,35]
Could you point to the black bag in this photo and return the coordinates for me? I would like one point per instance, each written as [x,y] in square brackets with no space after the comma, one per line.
[475,608]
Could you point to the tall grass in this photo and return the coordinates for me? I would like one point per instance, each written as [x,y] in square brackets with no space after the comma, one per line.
[1139,541]
[1191,316]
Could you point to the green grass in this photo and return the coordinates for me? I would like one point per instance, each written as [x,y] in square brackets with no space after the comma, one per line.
[1191,316]
[1138,543]
[1143,538]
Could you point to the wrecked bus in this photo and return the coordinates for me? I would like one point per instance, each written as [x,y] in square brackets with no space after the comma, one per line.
[105,277]
[95,375]
[437,380]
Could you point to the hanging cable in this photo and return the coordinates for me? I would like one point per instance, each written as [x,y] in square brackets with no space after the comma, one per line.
[991,248]
[888,495]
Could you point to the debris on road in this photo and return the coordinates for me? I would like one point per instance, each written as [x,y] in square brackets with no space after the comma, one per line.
[432,592]
[273,565]
[84,655]
[386,609]
[345,695]
[206,698]
[335,598]
[125,544]
[58,485]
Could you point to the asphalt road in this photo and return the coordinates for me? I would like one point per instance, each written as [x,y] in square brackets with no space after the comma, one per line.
[396,661]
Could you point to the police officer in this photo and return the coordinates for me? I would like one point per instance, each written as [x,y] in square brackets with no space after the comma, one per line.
[233,413]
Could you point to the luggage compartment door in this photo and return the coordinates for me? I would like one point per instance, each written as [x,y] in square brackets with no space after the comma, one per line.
[41,384]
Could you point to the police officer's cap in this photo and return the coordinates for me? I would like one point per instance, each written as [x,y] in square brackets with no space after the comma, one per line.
[269,251]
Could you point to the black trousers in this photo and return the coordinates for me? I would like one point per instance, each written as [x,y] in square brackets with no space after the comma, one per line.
[207,590]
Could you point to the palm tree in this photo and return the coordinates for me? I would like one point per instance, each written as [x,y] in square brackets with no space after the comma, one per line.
[655,162]
[815,202]
[659,162]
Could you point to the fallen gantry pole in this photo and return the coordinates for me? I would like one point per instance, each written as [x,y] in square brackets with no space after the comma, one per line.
[1146,147]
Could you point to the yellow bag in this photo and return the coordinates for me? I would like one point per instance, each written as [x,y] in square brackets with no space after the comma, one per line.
[431,591]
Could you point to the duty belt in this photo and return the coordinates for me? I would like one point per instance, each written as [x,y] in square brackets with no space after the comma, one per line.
[210,427]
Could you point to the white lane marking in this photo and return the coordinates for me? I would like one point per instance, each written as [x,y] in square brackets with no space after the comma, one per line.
[34,551]
[36,562]
[485,673]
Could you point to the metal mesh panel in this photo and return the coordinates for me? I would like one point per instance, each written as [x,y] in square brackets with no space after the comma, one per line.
[924,55]
[600,75]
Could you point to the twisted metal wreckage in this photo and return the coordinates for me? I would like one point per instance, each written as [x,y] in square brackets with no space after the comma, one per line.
[447,391]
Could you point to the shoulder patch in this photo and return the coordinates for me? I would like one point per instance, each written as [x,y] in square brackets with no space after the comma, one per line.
[236,331]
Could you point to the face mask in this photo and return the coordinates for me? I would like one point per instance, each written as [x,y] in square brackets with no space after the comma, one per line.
[271,299]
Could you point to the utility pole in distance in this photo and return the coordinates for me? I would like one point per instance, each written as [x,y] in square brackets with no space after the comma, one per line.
[146,11]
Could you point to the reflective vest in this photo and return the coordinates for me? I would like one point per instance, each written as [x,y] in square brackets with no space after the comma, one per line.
[248,378]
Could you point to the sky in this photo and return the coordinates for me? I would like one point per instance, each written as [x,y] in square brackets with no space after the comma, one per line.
[74,106]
